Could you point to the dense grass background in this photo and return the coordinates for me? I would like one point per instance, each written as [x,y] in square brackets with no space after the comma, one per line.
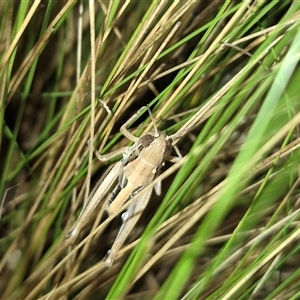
[225,74]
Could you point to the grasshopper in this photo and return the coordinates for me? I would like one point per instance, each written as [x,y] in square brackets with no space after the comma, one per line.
[140,165]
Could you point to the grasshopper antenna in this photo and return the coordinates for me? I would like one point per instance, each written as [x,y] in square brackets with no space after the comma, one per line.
[153,122]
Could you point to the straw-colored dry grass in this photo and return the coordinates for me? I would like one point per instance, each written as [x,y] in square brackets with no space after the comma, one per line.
[223,73]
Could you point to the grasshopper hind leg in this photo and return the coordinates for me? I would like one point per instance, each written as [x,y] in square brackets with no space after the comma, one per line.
[130,218]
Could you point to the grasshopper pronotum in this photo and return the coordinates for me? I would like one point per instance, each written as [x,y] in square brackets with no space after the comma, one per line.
[140,165]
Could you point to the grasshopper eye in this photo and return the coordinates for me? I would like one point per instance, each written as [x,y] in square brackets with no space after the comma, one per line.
[146,140]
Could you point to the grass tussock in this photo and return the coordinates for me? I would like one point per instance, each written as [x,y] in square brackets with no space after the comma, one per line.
[225,74]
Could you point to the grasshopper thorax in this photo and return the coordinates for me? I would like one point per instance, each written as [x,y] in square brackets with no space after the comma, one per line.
[156,148]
